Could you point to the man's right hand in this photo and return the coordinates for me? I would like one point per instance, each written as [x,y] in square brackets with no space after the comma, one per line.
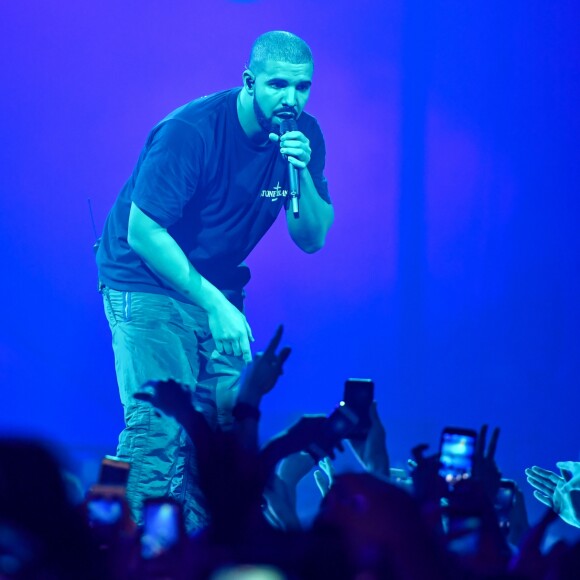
[161,253]
[230,330]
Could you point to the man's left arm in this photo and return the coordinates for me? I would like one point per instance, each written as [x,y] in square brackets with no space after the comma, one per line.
[308,231]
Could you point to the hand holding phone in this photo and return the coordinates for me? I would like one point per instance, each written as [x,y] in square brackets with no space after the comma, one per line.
[162,527]
[358,396]
[336,427]
[456,453]
[504,502]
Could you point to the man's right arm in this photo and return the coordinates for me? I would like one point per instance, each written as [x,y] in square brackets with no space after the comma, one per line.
[161,253]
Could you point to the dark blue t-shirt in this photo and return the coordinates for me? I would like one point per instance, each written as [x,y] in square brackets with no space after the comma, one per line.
[216,192]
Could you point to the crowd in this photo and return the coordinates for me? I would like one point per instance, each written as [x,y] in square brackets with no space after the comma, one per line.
[370,525]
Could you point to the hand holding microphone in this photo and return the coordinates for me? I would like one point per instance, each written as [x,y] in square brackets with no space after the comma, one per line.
[287,126]
[295,147]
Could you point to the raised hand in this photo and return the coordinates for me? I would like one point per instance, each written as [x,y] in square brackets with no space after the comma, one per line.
[263,373]
[531,562]
[372,451]
[299,437]
[485,469]
[518,519]
[429,486]
[559,492]
[569,469]
[304,432]
[170,397]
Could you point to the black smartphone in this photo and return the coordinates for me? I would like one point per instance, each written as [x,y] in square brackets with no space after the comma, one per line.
[504,502]
[358,396]
[456,453]
[338,426]
[114,472]
[104,511]
[162,527]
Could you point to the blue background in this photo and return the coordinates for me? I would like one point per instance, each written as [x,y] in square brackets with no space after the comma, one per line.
[451,276]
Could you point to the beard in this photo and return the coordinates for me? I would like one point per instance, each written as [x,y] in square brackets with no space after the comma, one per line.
[267,123]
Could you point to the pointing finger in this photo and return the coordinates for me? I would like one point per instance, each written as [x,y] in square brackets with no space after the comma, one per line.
[284,354]
[493,443]
[271,348]
[480,445]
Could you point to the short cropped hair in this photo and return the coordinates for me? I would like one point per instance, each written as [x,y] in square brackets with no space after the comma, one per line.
[280,46]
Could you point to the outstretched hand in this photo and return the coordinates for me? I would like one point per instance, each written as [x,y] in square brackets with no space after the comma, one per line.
[559,492]
[174,400]
[261,376]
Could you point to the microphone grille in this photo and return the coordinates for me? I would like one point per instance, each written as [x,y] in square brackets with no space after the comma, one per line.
[288,125]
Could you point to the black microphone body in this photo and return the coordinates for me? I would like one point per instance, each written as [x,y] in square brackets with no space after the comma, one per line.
[285,126]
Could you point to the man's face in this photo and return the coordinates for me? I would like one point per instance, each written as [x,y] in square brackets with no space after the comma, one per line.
[281,90]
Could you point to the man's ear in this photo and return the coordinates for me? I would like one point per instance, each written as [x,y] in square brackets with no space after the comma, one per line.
[249,81]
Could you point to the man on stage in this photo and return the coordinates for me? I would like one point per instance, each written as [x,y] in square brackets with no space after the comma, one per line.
[210,181]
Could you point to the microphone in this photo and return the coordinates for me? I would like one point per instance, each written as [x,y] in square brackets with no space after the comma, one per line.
[285,126]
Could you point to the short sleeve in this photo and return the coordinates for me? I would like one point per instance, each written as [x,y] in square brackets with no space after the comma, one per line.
[169,171]
[318,159]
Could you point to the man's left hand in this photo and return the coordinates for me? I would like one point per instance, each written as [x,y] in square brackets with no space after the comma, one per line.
[295,146]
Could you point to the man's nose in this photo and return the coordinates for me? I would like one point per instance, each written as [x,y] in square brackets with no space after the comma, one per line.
[289,99]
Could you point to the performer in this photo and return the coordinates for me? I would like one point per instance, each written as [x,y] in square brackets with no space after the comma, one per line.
[210,181]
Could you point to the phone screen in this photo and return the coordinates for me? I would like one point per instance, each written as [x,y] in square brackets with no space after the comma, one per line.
[457,449]
[504,501]
[104,511]
[161,527]
[358,397]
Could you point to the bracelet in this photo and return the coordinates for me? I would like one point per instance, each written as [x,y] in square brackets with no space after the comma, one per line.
[243,411]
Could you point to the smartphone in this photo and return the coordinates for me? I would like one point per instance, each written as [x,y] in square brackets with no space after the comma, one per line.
[358,396]
[504,502]
[104,511]
[114,472]
[456,453]
[162,526]
[338,426]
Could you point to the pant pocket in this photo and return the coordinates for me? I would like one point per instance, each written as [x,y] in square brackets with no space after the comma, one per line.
[117,306]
